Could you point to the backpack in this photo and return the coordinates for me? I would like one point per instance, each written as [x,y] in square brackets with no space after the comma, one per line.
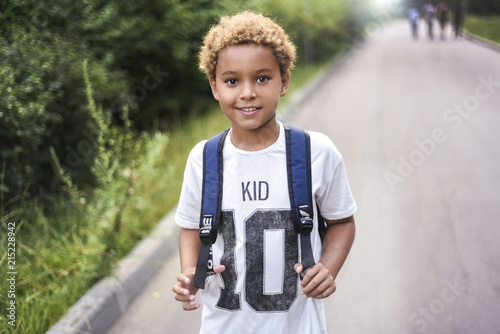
[298,156]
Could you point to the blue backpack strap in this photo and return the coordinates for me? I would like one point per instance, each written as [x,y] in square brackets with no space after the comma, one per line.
[211,202]
[298,154]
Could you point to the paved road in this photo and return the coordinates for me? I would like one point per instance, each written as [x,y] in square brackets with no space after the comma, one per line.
[418,123]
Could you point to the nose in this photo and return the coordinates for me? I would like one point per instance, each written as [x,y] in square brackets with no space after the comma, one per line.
[247,91]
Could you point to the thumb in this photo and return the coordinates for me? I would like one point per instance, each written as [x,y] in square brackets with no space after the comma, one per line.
[298,268]
[219,268]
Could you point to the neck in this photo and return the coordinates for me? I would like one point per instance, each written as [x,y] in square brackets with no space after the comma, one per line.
[256,139]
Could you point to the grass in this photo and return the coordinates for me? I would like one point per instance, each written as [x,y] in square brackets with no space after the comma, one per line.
[59,256]
[487,27]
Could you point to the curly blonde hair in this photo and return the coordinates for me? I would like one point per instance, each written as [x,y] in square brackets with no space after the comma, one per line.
[246,28]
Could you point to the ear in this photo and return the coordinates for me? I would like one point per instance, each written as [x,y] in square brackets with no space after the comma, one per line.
[214,88]
[285,80]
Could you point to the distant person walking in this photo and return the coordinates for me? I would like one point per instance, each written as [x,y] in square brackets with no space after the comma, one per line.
[414,15]
[442,15]
[429,19]
[458,20]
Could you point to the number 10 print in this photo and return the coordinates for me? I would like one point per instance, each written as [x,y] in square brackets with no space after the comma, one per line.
[271,249]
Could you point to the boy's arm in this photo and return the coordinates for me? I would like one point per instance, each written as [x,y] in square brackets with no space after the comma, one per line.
[319,281]
[189,248]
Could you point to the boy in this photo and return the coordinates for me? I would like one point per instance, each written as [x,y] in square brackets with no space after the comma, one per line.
[257,288]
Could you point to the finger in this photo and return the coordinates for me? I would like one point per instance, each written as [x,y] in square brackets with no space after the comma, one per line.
[177,289]
[315,280]
[326,293]
[298,268]
[180,289]
[323,290]
[219,268]
[309,276]
[181,278]
[182,295]
[183,298]
[187,306]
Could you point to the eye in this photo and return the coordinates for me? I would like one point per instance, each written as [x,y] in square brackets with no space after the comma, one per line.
[262,79]
[231,82]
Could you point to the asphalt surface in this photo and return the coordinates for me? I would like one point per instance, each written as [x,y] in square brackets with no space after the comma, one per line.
[418,124]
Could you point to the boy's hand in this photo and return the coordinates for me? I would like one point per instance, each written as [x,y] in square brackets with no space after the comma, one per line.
[185,290]
[318,282]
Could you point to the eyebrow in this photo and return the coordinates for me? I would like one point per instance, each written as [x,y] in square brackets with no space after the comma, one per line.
[258,71]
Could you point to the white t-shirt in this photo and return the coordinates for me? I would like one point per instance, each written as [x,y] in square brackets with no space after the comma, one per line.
[260,291]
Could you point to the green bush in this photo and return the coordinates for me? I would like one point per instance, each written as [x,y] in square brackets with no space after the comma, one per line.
[43,103]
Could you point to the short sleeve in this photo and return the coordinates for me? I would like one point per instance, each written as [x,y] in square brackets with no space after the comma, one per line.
[331,187]
[188,209]
[336,200]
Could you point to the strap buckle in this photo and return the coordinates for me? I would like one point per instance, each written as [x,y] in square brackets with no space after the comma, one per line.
[206,230]
[306,222]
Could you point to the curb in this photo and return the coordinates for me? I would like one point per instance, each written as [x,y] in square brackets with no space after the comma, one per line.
[97,310]
[482,41]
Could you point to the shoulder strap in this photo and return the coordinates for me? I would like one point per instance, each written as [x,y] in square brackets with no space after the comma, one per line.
[211,201]
[298,154]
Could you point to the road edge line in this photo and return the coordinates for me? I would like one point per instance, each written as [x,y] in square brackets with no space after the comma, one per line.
[481,41]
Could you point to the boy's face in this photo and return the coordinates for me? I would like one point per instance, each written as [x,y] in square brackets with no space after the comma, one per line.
[248,84]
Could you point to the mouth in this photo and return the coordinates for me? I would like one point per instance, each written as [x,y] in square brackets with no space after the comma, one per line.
[248,111]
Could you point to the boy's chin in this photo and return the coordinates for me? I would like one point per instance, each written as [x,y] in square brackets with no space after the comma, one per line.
[255,124]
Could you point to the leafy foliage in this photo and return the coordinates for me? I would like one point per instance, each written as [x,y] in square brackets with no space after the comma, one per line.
[42,105]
